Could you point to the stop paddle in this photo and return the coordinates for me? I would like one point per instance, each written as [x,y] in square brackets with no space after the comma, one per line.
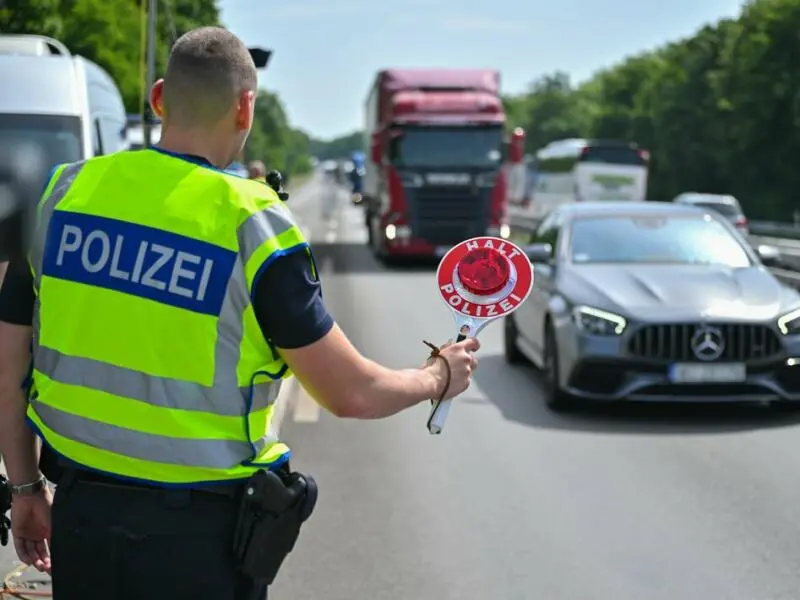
[480,280]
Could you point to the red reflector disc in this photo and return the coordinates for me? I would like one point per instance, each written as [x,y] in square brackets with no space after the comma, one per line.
[484,271]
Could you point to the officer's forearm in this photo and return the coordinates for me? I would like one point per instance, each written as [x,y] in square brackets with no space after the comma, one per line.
[387,392]
[18,444]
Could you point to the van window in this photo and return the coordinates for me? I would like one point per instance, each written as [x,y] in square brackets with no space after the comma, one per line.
[59,137]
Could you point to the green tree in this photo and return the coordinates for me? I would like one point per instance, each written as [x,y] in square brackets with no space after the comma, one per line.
[273,141]
[337,148]
[31,16]
[719,111]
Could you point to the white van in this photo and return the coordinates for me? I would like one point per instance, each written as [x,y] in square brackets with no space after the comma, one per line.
[67,105]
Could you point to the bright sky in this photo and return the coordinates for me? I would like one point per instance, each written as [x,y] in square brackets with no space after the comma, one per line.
[327,51]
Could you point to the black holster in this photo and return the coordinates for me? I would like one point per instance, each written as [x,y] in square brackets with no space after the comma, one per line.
[274,507]
[5,506]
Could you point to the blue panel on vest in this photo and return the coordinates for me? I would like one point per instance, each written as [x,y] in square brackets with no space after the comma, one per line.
[142,261]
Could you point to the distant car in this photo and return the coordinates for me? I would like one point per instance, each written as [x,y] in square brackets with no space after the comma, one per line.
[655,301]
[724,204]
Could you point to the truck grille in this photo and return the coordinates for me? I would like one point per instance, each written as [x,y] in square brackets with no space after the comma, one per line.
[742,342]
[445,215]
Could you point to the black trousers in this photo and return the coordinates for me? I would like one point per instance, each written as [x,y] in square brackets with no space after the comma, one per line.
[120,542]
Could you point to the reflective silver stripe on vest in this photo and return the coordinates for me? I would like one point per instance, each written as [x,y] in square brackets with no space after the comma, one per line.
[210,454]
[269,223]
[220,399]
[60,189]
[161,392]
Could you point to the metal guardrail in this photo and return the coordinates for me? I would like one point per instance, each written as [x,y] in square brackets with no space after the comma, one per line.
[786,231]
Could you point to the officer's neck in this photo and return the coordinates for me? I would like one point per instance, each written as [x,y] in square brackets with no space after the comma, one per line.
[190,143]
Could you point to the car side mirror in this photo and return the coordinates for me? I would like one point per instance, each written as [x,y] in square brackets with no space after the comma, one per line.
[540,253]
[770,255]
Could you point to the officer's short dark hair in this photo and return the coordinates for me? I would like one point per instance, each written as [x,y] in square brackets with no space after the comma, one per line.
[208,69]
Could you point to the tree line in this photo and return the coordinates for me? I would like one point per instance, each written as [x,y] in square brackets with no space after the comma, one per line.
[108,32]
[719,111]
[341,147]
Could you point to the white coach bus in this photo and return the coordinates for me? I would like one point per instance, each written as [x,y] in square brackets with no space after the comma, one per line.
[578,170]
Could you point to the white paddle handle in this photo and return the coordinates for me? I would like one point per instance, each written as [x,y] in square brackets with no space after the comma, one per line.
[438,416]
[440,408]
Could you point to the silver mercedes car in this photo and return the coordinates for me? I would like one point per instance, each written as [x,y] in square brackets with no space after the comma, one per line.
[655,301]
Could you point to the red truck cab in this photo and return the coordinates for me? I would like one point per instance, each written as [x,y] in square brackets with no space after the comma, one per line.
[437,149]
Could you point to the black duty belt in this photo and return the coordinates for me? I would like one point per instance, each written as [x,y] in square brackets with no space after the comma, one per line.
[77,474]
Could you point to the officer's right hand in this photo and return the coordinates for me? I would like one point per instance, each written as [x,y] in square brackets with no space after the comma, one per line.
[461,359]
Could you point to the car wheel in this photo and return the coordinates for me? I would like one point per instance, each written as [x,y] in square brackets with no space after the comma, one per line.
[556,399]
[510,334]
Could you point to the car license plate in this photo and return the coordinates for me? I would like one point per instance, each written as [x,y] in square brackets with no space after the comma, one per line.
[694,373]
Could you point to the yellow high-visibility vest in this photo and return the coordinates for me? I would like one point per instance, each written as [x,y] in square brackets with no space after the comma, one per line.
[148,359]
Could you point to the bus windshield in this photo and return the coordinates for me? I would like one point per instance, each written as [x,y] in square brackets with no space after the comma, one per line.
[612,155]
[447,147]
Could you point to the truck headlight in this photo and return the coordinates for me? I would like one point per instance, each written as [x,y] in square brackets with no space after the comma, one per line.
[790,323]
[598,322]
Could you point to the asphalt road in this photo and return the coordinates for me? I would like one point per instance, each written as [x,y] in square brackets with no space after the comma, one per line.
[512,502]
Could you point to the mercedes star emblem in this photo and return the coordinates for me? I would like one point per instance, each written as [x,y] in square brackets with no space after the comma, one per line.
[707,343]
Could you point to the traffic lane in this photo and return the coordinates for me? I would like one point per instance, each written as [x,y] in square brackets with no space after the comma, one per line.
[514,502]
[317,205]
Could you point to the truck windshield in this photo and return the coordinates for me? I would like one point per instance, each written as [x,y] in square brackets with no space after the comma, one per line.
[57,136]
[448,147]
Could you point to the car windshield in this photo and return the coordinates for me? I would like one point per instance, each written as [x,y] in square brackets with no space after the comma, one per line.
[655,239]
[448,147]
[58,137]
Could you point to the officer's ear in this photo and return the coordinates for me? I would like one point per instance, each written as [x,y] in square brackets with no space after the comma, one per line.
[157,98]
[245,110]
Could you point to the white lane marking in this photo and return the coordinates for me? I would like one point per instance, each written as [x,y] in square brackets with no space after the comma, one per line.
[306,409]
[285,401]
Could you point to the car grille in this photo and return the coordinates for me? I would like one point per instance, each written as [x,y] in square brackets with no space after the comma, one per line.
[446,215]
[742,342]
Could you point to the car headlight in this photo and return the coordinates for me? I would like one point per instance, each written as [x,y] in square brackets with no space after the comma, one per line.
[790,322]
[598,322]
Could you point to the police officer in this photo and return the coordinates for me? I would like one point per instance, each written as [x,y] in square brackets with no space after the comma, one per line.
[257,171]
[165,301]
